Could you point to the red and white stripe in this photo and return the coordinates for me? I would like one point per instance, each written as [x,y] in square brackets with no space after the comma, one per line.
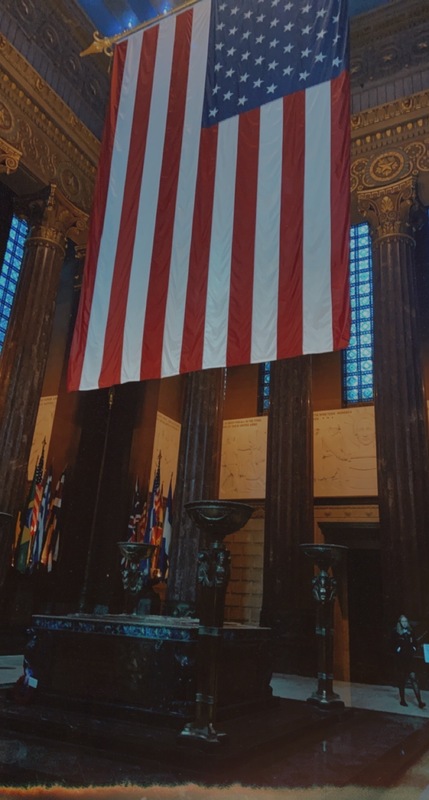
[212,247]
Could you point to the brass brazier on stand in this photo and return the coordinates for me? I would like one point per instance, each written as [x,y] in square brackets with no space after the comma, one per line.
[217,519]
[324,589]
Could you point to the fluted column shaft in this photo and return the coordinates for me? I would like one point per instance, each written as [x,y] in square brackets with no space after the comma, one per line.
[23,360]
[197,475]
[399,400]
[289,491]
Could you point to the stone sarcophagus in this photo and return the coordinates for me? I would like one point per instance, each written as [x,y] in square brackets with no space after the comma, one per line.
[143,665]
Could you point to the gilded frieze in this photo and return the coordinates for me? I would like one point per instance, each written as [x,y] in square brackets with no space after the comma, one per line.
[56,148]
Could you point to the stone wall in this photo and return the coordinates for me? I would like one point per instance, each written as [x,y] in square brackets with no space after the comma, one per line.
[244,594]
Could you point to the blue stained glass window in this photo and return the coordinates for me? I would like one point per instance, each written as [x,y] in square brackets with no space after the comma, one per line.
[357,366]
[9,273]
[264,387]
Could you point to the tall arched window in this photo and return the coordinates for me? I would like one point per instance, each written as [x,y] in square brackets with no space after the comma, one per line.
[357,360]
[9,273]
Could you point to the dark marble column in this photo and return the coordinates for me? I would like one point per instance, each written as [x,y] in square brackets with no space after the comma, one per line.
[399,399]
[6,213]
[289,491]
[197,476]
[52,219]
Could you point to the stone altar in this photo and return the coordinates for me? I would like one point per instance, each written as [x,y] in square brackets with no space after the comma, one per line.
[132,665]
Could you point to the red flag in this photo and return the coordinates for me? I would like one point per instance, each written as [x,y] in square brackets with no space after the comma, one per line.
[220,227]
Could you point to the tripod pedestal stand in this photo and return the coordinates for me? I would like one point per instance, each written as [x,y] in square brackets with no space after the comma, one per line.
[324,589]
[217,519]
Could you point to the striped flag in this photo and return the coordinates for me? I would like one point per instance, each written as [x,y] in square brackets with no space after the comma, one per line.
[42,522]
[220,226]
[154,502]
[29,518]
[51,545]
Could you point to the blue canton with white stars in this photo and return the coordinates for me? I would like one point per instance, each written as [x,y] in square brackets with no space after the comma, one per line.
[261,50]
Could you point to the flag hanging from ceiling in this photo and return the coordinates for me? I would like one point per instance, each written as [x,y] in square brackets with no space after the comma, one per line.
[220,226]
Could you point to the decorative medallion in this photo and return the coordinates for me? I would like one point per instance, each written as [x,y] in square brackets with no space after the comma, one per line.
[73,65]
[26,10]
[6,120]
[387,167]
[92,88]
[421,45]
[69,182]
[50,37]
[389,59]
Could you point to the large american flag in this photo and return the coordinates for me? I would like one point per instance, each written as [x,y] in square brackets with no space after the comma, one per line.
[219,233]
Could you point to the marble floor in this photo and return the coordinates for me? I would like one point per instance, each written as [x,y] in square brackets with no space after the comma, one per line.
[292,687]
[10,669]
[376,742]
[354,695]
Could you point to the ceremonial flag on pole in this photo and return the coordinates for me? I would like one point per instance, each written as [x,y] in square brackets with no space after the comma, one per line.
[164,557]
[23,539]
[157,522]
[38,492]
[29,518]
[50,550]
[42,521]
[154,502]
[135,514]
[220,227]
[141,527]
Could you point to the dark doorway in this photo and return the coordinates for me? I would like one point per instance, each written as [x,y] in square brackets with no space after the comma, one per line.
[368,645]
[366,635]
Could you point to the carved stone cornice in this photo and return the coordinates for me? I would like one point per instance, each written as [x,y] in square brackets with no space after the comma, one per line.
[9,158]
[397,123]
[56,147]
[392,211]
[53,219]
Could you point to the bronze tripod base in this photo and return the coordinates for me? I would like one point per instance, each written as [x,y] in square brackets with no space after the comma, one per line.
[205,734]
[326,700]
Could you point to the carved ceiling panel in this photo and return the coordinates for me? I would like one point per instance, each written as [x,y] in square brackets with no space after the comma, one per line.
[55,146]
[393,40]
[51,36]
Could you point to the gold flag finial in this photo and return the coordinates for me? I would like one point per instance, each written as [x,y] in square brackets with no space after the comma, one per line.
[104,44]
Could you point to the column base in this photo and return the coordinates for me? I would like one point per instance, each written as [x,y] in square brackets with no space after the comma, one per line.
[203,735]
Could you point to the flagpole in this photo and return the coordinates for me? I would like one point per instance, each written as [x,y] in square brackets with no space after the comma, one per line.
[104,44]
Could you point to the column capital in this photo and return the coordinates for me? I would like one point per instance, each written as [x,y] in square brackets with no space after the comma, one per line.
[9,158]
[53,218]
[392,211]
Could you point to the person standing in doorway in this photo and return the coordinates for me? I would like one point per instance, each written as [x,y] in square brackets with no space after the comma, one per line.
[405,648]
